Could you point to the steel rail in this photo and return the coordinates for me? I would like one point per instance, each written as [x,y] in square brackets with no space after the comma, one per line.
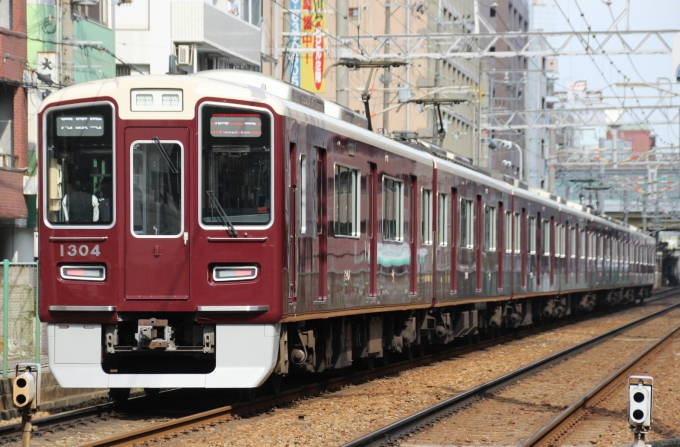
[568,418]
[56,421]
[409,424]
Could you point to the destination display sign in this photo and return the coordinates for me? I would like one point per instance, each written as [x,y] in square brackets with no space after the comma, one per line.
[80,126]
[235,125]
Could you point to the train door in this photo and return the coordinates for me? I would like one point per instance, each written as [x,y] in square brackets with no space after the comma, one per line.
[158,226]
[372,227]
[322,222]
[293,223]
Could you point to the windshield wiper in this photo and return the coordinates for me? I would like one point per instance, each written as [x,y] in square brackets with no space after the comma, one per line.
[160,147]
[223,216]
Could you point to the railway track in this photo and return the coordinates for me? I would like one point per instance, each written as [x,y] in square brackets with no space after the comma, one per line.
[449,422]
[215,417]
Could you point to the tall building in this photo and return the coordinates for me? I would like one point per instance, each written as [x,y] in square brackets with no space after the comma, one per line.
[16,238]
[187,36]
[311,37]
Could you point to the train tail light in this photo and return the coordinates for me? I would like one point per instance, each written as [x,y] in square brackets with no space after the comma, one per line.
[234,273]
[83,272]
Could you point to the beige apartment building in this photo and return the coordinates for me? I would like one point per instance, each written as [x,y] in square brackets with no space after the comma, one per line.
[351,29]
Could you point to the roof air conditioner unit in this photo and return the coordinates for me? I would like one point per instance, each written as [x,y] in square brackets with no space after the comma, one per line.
[86,2]
[184,55]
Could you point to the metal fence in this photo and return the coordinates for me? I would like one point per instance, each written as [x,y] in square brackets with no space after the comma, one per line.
[21,327]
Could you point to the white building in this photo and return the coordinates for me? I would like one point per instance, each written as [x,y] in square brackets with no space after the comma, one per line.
[197,34]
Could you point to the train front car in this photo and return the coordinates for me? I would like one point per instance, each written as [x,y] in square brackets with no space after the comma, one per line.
[158,234]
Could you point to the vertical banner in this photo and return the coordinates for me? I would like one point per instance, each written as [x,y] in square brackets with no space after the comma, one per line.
[313,24]
[295,22]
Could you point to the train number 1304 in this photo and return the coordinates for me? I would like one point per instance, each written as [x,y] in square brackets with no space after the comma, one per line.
[80,250]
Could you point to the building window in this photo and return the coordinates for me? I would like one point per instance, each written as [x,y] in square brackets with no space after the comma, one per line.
[531,235]
[6,126]
[354,13]
[490,226]
[121,70]
[6,14]
[346,201]
[95,13]
[467,233]
[442,220]
[426,218]
[393,203]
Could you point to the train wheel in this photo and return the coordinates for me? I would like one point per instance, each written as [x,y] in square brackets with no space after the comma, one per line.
[274,384]
[369,362]
[385,359]
[119,396]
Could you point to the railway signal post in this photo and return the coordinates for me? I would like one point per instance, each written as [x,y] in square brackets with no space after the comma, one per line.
[640,393]
[26,396]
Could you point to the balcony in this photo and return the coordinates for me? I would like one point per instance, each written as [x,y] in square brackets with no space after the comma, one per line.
[199,22]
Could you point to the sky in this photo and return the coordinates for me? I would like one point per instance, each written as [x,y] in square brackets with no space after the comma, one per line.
[644,15]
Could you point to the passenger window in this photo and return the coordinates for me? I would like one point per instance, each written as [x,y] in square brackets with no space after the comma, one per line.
[426,218]
[546,237]
[303,194]
[442,220]
[508,231]
[518,232]
[466,224]
[531,235]
[490,226]
[346,201]
[393,208]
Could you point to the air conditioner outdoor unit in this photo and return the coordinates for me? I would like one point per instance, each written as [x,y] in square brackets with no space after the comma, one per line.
[184,55]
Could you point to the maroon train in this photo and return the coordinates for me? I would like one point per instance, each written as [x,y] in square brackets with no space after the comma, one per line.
[213,229]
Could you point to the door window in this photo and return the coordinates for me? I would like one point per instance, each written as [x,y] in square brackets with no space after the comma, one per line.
[157,189]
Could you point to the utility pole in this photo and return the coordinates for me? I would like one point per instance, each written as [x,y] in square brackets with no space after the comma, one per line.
[66,52]
[387,75]
[552,161]
[341,71]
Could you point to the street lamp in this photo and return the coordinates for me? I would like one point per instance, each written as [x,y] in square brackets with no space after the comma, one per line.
[495,143]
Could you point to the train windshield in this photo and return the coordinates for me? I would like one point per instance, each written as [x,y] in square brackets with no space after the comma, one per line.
[236,159]
[79,166]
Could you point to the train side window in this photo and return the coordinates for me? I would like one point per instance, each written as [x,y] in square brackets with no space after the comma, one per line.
[79,167]
[442,220]
[531,235]
[346,201]
[518,231]
[572,242]
[393,207]
[591,246]
[582,244]
[490,226]
[426,218]
[546,237]
[467,232]
[563,241]
[508,232]
[303,194]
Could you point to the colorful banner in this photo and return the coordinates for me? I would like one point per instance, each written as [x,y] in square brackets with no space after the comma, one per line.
[312,64]
[295,22]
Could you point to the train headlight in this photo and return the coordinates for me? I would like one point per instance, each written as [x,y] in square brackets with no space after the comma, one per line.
[83,272]
[234,273]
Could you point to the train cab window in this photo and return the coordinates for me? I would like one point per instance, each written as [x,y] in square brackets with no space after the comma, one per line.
[490,226]
[572,242]
[426,218]
[467,228]
[346,201]
[393,208]
[157,185]
[79,168]
[236,166]
[546,237]
[518,231]
[507,223]
[531,235]
[442,220]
